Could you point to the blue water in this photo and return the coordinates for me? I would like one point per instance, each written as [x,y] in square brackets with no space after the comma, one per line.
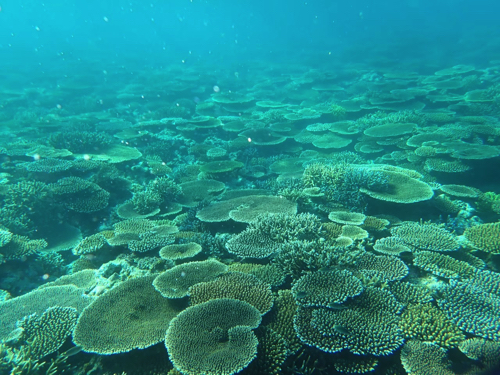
[366,133]
[156,32]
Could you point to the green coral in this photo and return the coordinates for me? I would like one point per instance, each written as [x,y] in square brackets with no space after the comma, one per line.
[236,285]
[252,243]
[296,258]
[197,191]
[265,235]
[80,195]
[84,280]
[90,244]
[346,217]
[268,273]
[156,192]
[47,333]
[425,322]
[214,337]
[48,165]
[442,265]
[246,209]
[80,141]
[486,280]
[175,282]
[328,288]
[23,203]
[272,352]
[407,293]
[142,235]
[426,236]
[379,268]
[486,352]
[472,309]
[37,301]
[489,202]
[390,246]
[132,315]
[423,358]
[281,319]
[369,325]
[399,188]
[21,246]
[5,237]
[221,167]
[484,237]
[288,227]
[180,251]
[149,241]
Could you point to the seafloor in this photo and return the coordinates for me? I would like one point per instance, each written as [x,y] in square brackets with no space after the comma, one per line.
[275,219]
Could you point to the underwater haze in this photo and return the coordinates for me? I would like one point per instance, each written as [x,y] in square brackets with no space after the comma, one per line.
[197,187]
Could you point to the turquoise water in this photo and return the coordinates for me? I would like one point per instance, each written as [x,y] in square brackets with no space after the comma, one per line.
[214,187]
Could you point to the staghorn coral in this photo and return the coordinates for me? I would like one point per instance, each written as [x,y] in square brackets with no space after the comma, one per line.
[47,333]
[484,237]
[156,192]
[288,227]
[327,288]
[22,204]
[5,237]
[369,325]
[213,338]
[236,285]
[296,258]
[175,282]
[267,232]
[130,316]
[341,182]
[426,236]
[425,322]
